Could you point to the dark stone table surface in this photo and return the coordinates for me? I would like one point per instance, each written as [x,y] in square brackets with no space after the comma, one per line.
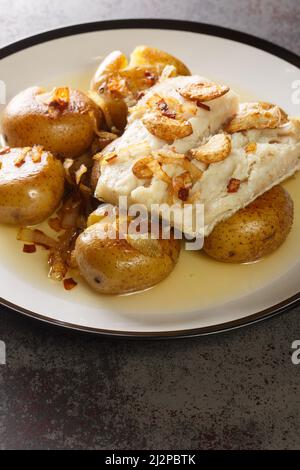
[66,390]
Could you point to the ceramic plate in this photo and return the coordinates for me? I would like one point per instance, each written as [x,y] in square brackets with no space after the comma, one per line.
[201,296]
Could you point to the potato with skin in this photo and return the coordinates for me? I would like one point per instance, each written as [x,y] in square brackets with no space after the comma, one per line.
[142,60]
[31,185]
[255,231]
[63,126]
[120,84]
[112,63]
[151,56]
[119,266]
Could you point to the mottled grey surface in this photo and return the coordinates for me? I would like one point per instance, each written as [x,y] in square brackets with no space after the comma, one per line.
[62,389]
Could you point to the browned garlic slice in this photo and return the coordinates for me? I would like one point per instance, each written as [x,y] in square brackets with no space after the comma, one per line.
[203,91]
[255,116]
[216,149]
[141,169]
[284,116]
[169,157]
[165,128]
[147,167]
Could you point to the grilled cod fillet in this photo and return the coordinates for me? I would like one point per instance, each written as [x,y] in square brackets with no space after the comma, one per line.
[189,141]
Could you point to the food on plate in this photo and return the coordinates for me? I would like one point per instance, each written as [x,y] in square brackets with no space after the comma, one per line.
[256,116]
[63,121]
[253,232]
[203,91]
[224,171]
[148,131]
[168,158]
[228,160]
[145,56]
[259,160]
[119,266]
[118,84]
[216,149]
[31,185]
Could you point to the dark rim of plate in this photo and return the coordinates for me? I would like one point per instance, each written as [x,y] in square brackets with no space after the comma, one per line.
[175,25]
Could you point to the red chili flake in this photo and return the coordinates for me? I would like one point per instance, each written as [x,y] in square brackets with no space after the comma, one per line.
[150,76]
[183,194]
[233,185]
[4,150]
[69,284]
[140,95]
[29,249]
[203,106]
[165,110]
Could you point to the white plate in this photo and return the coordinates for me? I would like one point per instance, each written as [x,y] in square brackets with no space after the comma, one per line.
[201,296]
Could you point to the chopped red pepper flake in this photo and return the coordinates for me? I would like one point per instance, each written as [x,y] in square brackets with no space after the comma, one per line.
[165,110]
[183,194]
[4,150]
[233,185]
[203,106]
[140,95]
[29,249]
[150,76]
[69,283]
[20,161]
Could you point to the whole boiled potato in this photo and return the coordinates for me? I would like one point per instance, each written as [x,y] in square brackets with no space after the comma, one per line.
[255,231]
[31,185]
[120,84]
[114,266]
[63,121]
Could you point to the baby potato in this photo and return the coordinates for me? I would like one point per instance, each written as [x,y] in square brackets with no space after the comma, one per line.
[142,58]
[255,231]
[114,266]
[114,109]
[112,63]
[150,56]
[63,121]
[31,185]
[120,85]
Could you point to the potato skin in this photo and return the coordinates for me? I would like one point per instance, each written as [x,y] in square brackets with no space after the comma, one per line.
[116,267]
[30,193]
[28,120]
[121,84]
[151,56]
[255,231]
